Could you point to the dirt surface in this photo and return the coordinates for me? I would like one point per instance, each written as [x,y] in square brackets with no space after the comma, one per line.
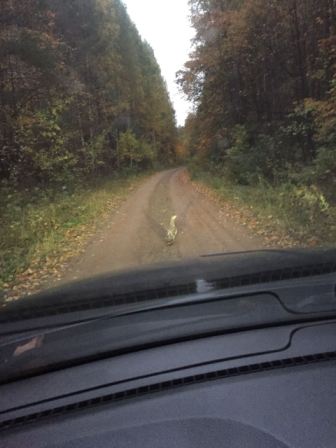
[136,234]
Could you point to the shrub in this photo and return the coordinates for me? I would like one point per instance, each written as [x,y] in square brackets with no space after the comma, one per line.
[134,152]
[248,162]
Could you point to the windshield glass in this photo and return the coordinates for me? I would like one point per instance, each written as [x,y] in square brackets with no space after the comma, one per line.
[141,132]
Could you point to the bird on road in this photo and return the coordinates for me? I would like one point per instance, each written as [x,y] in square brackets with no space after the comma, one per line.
[171,231]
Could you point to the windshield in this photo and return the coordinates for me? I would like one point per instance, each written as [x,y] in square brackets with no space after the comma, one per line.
[141,132]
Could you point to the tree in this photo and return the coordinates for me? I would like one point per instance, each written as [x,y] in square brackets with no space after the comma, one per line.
[74,76]
[256,64]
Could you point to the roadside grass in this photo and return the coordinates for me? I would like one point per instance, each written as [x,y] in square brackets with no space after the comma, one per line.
[300,213]
[42,227]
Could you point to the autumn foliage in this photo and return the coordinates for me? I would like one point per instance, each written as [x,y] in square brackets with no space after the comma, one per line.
[81,94]
[262,76]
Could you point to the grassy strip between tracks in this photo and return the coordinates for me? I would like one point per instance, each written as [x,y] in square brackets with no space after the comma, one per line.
[284,216]
[42,229]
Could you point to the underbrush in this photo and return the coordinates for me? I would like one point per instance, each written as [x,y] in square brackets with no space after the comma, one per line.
[300,211]
[41,223]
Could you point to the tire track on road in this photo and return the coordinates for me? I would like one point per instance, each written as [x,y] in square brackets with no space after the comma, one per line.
[136,233]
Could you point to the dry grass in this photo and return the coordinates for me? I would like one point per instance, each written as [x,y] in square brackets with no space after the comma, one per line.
[42,229]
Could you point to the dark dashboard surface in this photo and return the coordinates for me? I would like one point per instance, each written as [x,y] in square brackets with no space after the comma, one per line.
[277,394]
[243,356]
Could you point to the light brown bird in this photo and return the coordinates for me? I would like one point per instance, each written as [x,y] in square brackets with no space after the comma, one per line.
[171,231]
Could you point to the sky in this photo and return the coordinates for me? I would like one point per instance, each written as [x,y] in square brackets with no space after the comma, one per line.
[165,25]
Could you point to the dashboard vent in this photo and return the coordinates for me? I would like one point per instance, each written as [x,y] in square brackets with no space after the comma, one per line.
[32,312]
[168,386]
[276,275]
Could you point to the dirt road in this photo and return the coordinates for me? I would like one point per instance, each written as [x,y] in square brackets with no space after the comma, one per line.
[135,234]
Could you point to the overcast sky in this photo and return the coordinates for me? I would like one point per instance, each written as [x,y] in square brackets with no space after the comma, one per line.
[165,25]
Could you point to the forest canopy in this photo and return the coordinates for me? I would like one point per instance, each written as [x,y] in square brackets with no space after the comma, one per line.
[81,93]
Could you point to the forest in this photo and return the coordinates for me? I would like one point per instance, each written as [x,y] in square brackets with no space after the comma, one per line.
[84,111]
[81,93]
[262,78]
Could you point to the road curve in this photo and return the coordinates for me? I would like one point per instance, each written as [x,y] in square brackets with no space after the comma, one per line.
[135,234]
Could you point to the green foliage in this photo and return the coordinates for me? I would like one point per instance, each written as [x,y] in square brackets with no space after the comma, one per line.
[93,155]
[262,77]
[240,156]
[301,212]
[134,152]
[251,160]
[129,149]
[43,149]
[149,156]
[324,167]
[39,223]
[321,171]
[81,97]
[74,76]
